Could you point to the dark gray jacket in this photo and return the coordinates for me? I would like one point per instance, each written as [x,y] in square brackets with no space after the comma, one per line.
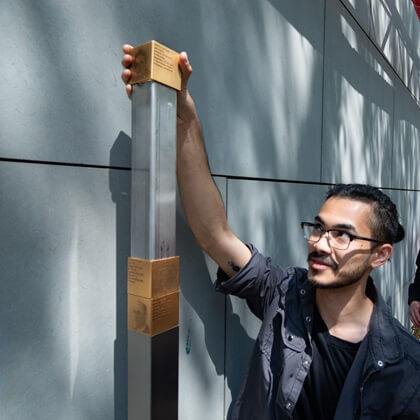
[383,382]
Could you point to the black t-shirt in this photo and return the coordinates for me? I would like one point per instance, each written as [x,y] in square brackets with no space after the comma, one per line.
[332,359]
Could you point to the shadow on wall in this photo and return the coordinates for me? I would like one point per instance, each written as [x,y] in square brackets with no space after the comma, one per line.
[363,124]
[273,73]
[358,105]
[120,194]
[198,289]
[58,114]
[406,169]
[371,133]
[395,28]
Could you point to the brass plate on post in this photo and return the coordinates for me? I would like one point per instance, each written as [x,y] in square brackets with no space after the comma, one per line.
[155,62]
[153,316]
[153,278]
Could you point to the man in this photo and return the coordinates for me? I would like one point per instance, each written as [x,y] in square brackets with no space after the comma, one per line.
[414,296]
[328,346]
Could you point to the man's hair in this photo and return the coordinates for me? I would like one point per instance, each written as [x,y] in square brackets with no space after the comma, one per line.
[384,220]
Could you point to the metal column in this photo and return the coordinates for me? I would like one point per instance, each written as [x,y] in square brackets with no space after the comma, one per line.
[153,361]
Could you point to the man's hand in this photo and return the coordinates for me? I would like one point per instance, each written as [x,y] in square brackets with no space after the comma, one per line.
[185,106]
[415,313]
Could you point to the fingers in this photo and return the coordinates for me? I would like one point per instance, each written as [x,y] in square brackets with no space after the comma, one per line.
[127,59]
[129,90]
[127,48]
[416,321]
[126,75]
[186,69]
[126,62]
[415,313]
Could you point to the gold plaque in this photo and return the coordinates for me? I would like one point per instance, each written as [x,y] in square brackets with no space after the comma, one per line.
[154,61]
[153,278]
[416,332]
[153,316]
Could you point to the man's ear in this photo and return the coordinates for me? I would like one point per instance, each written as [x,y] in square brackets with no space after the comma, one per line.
[381,255]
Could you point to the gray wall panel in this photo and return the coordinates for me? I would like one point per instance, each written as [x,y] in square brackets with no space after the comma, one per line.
[60,74]
[360,11]
[406,145]
[358,104]
[202,329]
[395,29]
[65,100]
[394,277]
[62,303]
[267,214]
[261,108]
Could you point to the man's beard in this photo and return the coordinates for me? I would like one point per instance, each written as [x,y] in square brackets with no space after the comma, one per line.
[346,278]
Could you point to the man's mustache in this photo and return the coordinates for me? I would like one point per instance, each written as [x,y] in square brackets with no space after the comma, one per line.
[325,259]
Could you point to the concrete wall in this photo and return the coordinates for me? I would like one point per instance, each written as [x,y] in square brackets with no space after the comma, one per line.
[292,96]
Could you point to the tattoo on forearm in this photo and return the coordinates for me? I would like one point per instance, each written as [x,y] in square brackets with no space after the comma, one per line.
[233,266]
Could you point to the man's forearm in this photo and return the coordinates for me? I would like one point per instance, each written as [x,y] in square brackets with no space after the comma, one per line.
[200,197]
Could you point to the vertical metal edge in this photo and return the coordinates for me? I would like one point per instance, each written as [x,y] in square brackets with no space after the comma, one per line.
[153,220]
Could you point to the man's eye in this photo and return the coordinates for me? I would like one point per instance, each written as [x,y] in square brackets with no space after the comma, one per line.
[342,235]
[318,227]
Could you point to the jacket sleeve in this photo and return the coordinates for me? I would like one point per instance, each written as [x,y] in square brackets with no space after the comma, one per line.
[256,282]
[414,288]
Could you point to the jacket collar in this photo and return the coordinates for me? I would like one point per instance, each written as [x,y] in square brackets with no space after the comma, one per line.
[383,337]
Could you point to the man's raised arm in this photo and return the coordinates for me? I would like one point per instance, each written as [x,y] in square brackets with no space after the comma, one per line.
[200,197]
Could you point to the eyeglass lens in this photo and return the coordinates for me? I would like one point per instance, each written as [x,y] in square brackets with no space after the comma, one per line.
[336,238]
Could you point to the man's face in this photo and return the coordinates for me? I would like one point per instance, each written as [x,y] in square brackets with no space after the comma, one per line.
[330,268]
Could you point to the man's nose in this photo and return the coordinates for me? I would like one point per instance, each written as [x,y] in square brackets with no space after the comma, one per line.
[323,244]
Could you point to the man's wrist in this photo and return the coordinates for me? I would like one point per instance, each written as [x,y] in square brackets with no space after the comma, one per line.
[186,123]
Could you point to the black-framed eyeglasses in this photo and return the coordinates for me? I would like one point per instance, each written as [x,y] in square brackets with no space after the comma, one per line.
[338,239]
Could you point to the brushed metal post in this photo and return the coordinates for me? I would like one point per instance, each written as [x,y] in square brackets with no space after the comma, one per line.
[153,361]
[153,171]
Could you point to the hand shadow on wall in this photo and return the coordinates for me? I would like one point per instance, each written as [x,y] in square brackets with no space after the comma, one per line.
[120,186]
[215,312]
